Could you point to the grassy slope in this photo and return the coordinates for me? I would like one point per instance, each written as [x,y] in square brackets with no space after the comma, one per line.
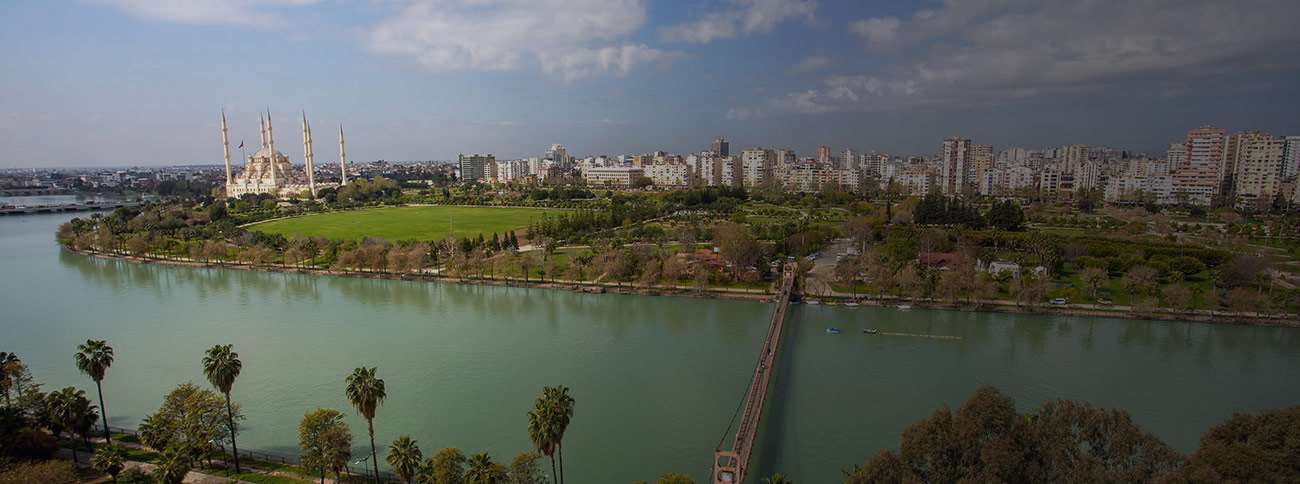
[401,223]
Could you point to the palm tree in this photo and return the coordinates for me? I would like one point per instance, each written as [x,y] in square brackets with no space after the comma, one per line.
[482,470]
[561,413]
[8,363]
[222,366]
[109,459]
[366,393]
[404,457]
[70,411]
[540,432]
[777,478]
[93,358]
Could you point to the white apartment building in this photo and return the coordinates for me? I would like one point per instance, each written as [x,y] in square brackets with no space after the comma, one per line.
[813,177]
[756,166]
[1133,189]
[613,176]
[668,174]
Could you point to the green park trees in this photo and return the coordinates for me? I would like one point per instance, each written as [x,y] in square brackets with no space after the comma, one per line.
[190,421]
[987,441]
[324,442]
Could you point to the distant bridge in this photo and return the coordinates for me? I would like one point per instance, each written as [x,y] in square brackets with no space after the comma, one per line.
[731,464]
[27,192]
[66,207]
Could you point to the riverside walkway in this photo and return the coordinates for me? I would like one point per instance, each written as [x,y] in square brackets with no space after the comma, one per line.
[730,464]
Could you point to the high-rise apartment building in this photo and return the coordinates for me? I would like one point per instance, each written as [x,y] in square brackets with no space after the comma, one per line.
[1197,178]
[559,155]
[981,161]
[721,147]
[1290,157]
[756,166]
[956,158]
[823,154]
[1073,157]
[1176,155]
[477,167]
[1257,170]
[1233,151]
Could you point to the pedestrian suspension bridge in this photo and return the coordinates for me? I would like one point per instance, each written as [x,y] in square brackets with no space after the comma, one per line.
[731,463]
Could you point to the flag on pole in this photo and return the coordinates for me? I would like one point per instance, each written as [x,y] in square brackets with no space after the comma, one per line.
[241,144]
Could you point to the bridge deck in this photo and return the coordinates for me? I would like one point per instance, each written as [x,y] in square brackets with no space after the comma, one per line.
[730,465]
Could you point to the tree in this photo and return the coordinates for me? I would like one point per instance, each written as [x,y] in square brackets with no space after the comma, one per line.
[190,419]
[525,470]
[1141,279]
[447,466]
[541,432]
[9,365]
[674,478]
[561,406]
[324,442]
[481,470]
[987,441]
[173,464]
[1177,296]
[777,478]
[736,245]
[221,366]
[1093,278]
[109,459]
[1250,448]
[70,410]
[404,457]
[1245,300]
[93,359]
[366,392]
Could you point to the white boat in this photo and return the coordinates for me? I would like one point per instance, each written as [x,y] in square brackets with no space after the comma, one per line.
[904,307]
[852,304]
[814,302]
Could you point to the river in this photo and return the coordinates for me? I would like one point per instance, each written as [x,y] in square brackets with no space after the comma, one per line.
[655,378]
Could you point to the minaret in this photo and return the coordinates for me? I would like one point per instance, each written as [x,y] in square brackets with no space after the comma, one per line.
[270,145]
[261,132]
[343,159]
[307,155]
[225,144]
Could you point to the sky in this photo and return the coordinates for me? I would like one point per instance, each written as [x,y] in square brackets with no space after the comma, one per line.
[139,82]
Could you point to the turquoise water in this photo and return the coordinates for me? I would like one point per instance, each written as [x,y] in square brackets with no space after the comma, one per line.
[655,378]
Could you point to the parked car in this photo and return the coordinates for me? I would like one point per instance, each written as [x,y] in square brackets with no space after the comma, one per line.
[1060,301]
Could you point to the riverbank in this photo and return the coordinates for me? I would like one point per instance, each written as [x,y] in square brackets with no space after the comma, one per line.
[594,287]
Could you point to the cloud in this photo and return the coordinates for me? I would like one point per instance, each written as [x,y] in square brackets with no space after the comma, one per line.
[811,63]
[744,16]
[570,39]
[980,53]
[880,30]
[254,13]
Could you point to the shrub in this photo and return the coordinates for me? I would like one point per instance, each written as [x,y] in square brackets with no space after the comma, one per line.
[50,471]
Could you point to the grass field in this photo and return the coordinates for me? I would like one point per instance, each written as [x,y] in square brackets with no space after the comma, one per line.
[405,223]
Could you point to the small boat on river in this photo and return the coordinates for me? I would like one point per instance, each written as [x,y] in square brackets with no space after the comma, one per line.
[832,330]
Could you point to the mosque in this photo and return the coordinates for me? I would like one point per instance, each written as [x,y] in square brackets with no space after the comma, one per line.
[269,171]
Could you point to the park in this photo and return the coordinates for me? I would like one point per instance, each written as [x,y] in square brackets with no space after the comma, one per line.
[425,223]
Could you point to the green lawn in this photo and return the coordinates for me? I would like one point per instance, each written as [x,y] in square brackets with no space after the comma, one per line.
[405,223]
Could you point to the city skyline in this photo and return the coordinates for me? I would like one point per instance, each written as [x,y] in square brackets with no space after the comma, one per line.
[419,81]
